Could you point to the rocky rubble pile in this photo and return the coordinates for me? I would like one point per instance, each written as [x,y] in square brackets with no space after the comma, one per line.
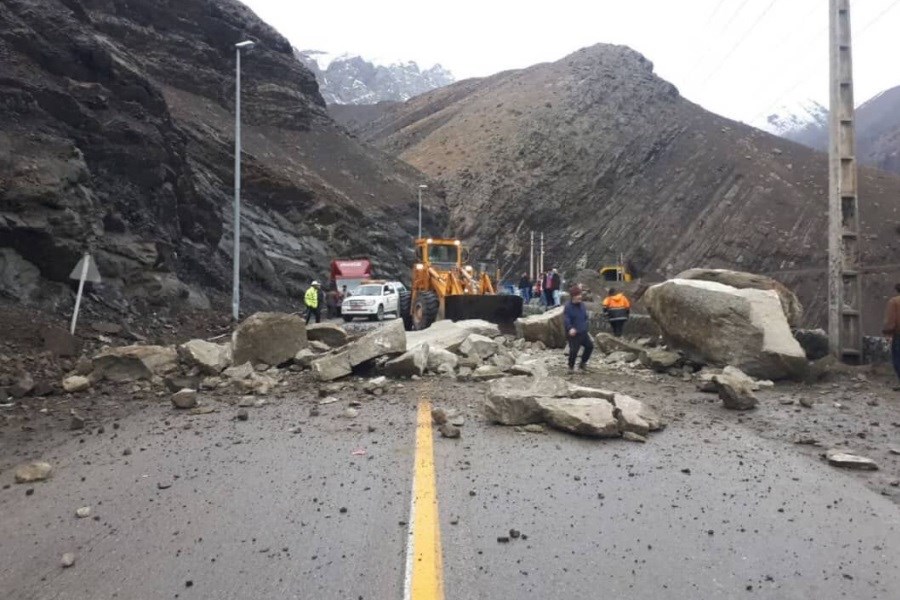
[576,409]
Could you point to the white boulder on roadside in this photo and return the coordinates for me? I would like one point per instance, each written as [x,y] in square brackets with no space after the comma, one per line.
[790,304]
[237,372]
[412,362]
[721,325]
[589,417]
[840,458]
[546,328]
[76,383]
[34,471]
[386,341]
[130,363]
[577,409]
[268,337]
[210,358]
[478,345]
[441,361]
[186,398]
[448,335]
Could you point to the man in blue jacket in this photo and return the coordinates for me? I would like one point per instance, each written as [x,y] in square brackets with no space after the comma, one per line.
[575,317]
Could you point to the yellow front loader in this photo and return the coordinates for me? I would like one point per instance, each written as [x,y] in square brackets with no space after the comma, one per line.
[443,288]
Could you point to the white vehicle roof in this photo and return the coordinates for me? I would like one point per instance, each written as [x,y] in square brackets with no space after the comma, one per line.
[376,285]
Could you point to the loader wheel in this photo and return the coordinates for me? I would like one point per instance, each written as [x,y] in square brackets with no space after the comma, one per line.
[425,311]
[404,310]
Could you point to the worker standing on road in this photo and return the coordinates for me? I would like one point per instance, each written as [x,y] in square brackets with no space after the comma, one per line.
[892,330]
[313,300]
[551,285]
[557,287]
[525,288]
[575,316]
[617,309]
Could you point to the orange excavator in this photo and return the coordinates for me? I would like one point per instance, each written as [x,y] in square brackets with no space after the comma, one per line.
[443,288]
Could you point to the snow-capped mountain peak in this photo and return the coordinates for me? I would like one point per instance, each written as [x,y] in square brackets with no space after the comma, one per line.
[790,119]
[352,79]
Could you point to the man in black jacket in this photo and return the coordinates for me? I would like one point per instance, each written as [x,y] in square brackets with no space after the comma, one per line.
[575,317]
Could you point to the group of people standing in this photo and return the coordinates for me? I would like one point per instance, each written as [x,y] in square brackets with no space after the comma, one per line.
[546,287]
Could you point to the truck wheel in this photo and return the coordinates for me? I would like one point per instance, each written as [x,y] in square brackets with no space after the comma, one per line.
[404,310]
[379,316]
[425,311]
[347,318]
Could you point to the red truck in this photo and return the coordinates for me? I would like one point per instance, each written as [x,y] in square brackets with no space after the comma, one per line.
[350,272]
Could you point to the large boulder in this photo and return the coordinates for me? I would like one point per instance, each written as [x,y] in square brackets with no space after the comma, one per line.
[389,340]
[268,337]
[334,336]
[515,400]
[210,358]
[790,304]
[478,345]
[412,362]
[385,341]
[130,363]
[441,361]
[573,408]
[332,366]
[635,416]
[547,328]
[591,417]
[721,325]
[736,392]
[449,335]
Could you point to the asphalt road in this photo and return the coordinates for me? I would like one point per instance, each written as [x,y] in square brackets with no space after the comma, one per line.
[248,509]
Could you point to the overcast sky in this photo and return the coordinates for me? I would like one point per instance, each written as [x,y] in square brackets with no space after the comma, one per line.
[740,58]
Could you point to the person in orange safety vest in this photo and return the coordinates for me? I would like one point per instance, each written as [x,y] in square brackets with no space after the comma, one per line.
[617,309]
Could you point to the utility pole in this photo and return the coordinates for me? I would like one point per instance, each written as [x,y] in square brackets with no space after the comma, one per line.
[542,252]
[531,259]
[844,289]
[236,264]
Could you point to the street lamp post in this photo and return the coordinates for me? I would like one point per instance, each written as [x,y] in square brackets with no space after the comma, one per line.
[421,187]
[236,283]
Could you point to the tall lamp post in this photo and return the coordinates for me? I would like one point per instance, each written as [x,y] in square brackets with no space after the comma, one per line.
[236,283]
[421,187]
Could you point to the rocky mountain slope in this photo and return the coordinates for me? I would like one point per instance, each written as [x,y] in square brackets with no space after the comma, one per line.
[877,131]
[605,158]
[354,80]
[116,136]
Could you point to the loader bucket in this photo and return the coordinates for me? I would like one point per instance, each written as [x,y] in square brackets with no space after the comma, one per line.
[500,309]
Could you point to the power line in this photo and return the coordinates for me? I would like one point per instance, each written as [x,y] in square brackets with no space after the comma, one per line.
[708,45]
[739,42]
[810,73]
[715,11]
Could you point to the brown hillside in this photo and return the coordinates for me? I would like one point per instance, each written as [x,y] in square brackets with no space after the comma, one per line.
[605,157]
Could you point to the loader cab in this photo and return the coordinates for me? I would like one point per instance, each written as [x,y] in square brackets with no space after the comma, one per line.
[442,255]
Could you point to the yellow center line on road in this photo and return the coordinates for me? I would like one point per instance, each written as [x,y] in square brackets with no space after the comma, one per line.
[424,566]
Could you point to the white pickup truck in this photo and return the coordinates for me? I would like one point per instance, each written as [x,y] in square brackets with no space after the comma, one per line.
[373,299]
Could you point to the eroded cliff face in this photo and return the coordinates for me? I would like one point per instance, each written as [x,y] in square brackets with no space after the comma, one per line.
[606,159]
[116,136]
